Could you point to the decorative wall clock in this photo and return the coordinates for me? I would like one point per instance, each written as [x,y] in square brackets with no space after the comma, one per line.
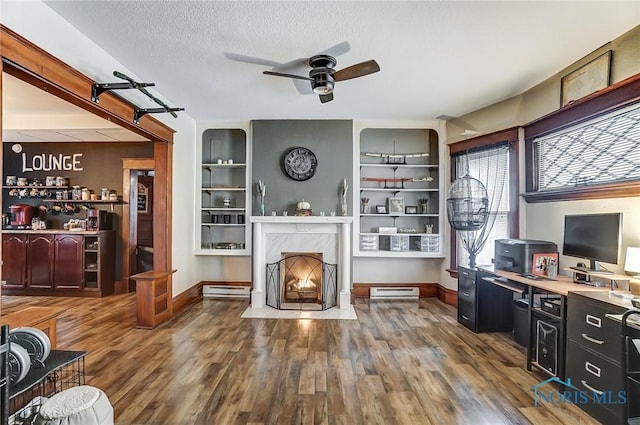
[299,163]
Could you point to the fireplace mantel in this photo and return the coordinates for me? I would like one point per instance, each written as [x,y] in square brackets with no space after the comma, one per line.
[330,235]
[301,219]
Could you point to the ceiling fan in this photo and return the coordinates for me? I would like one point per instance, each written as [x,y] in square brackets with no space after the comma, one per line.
[323,75]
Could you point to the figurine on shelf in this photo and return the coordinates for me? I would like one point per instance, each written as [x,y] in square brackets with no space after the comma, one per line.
[343,192]
[303,208]
[262,191]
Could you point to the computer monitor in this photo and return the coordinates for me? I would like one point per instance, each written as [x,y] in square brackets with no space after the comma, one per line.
[595,237]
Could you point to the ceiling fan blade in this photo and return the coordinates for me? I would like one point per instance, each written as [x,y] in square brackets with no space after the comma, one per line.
[250,59]
[337,50]
[324,98]
[279,74]
[357,70]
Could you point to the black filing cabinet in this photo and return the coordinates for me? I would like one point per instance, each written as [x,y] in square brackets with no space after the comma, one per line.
[595,356]
[483,306]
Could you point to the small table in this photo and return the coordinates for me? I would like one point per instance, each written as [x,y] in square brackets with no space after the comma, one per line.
[43,318]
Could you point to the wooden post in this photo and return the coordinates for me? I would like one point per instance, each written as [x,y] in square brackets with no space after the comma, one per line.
[154,299]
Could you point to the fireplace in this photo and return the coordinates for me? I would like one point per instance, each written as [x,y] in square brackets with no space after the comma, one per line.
[273,236]
[301,281]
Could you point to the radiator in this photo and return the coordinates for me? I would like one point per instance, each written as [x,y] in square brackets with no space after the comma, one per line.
[221,291]
[398,293]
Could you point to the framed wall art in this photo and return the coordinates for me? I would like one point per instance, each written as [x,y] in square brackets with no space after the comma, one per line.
[587,79]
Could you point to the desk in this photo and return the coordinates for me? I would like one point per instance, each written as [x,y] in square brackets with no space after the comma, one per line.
[546,353]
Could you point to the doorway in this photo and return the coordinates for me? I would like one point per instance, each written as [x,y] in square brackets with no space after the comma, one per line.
[137,219]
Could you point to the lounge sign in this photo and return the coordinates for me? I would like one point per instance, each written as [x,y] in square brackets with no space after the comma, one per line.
[49,161]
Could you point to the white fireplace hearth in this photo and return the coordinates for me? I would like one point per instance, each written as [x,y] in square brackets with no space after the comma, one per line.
[273,236]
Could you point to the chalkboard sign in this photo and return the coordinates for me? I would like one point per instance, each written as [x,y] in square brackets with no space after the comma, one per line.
[143,198]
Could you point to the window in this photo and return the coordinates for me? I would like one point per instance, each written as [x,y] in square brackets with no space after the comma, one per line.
[598,151]
[500,147]
[491,167]
[605,112]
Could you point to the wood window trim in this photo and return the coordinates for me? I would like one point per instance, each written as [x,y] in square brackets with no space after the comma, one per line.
[509,135]
[616,96]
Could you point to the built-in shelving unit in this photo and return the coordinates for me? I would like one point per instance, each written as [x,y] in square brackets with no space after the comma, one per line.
[224,198]
[397,168]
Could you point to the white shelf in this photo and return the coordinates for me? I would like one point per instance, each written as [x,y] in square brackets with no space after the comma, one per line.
[364,164]
[218,184]
[369,181]
[381,189]
[216,165]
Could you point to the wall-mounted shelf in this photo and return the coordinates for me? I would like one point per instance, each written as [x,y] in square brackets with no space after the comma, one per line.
[398,162]
[223,192]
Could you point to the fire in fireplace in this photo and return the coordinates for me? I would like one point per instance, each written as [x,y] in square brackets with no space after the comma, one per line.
[302,277]
[301,281]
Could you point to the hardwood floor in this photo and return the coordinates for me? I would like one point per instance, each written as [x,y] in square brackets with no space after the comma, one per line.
[399,363]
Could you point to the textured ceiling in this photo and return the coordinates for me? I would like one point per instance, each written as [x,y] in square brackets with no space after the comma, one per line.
[436,58]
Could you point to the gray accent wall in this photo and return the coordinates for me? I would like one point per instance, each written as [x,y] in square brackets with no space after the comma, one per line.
[332,143]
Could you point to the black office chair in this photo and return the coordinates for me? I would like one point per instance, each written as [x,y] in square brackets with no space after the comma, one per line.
[4,375]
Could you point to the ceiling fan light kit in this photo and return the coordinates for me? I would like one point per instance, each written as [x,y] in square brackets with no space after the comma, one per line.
[323,75]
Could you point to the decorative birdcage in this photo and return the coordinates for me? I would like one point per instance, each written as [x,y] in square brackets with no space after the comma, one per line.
[467,204]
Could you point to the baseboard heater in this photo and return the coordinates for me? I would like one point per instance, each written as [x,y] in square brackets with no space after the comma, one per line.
[222,291]
[398,293]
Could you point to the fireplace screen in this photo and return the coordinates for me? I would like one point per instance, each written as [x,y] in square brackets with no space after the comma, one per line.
[301,281]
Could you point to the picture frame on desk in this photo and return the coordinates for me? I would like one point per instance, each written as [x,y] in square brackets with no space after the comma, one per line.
[545,264]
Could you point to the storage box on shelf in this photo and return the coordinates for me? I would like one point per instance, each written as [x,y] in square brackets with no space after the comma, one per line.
[398,178]
[225,192]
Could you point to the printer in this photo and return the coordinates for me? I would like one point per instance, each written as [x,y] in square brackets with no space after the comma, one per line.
[516,255]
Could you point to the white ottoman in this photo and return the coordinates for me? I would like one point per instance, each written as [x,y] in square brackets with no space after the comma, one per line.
[83,405]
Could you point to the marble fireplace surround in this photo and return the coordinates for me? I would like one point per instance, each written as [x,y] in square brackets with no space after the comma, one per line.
[327,235]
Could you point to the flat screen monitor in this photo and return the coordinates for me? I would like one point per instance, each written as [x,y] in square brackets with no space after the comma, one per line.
[595,237]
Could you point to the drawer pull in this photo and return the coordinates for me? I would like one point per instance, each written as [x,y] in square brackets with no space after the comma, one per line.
[465,273]
[592,369]
[590,339]
[466,294]
[464,317]
[591,388]
[594,321]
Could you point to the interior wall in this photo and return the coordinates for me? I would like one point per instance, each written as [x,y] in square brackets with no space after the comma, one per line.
[546,220]
[332,144]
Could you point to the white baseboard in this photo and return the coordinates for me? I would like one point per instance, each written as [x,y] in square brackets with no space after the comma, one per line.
[221,291]
[397,293]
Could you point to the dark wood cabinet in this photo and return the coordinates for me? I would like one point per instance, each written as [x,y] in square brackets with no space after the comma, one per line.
[68,272]
[59,263]
[40,261]
[14,261]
